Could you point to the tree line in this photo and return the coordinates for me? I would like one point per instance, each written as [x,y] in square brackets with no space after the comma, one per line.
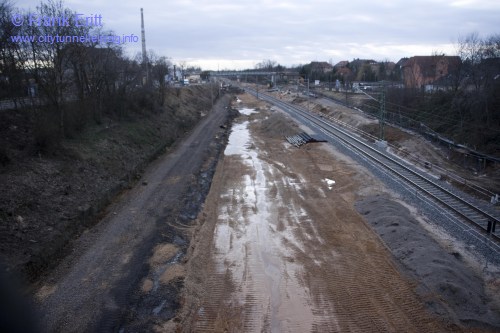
[466,107]
[67,85]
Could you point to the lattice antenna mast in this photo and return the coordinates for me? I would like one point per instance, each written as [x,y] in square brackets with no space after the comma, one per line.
[144,55]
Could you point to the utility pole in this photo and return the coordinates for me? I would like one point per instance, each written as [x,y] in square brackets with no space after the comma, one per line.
[212,93]
[257,83]
[382,113]
[144,54]
[308,96]
[345,87]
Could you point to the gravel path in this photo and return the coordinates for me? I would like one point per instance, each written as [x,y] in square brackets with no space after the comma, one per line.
[90,290]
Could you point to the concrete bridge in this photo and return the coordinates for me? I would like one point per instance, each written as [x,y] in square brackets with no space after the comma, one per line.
[244,75]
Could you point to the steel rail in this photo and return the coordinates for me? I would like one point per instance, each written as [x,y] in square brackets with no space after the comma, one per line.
[463,181]
[468,211]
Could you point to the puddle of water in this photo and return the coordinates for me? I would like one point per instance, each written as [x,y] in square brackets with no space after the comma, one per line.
[158,271]
[239,139]
[281,165]
[247,111]
[158,309]
[296,184]
[321,193]
[247,243]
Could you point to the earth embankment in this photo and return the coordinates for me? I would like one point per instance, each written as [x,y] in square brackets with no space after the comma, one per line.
[49,197]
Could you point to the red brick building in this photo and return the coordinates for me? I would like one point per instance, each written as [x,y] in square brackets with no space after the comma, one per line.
[419,71]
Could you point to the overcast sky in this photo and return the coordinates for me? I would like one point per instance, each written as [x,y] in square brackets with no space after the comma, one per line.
[240,33]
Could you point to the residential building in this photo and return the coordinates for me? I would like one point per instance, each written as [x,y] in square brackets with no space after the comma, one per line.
[341,64]
[421,71]
[321,66]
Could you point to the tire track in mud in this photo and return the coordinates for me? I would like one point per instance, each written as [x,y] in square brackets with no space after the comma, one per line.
[290,253]
[359,283]
[215,315]
[262,280]
[368,293]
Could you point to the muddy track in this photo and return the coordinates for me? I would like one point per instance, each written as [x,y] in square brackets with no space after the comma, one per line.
[282,249]
[92,289]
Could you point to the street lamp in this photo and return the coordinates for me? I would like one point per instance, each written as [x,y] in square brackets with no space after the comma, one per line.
[257,84]
[308,95]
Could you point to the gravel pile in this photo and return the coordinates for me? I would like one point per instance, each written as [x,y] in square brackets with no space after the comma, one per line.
[434,213]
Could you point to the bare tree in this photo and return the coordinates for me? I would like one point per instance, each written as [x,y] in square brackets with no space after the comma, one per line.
[267,65]
[12,79]
[491,46]
[182,65]
[480,65]
[47,62]
[471,50]
[160,69]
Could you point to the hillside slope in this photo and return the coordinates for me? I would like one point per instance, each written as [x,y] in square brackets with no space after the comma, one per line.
[49,197]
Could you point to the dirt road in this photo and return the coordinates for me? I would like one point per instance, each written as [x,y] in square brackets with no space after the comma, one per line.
[280,247]
[91,289]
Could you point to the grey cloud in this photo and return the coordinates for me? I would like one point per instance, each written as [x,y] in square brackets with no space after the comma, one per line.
[295,31]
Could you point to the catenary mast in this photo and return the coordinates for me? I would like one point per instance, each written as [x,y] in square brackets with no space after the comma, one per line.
[144,55]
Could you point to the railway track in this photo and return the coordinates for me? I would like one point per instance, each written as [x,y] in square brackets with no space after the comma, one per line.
[477,221]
